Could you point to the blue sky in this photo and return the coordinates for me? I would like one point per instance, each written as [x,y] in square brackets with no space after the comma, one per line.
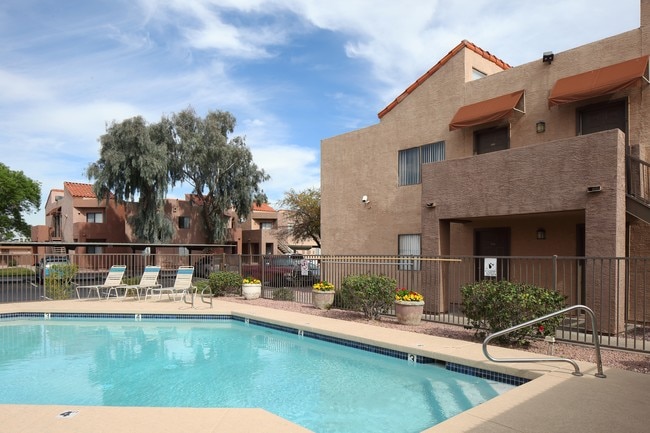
[291,71]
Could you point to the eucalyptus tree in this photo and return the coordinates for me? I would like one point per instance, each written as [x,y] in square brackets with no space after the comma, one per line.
[133,165]
[220,170]
[142,161]
[18,194]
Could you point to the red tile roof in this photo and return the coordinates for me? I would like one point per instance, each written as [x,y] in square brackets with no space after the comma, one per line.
[264,207]
[80,189]
[441,63]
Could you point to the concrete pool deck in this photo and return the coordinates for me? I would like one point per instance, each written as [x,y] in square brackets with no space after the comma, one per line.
[555,401]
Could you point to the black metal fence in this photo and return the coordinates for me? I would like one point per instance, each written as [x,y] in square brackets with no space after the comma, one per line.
[616,289]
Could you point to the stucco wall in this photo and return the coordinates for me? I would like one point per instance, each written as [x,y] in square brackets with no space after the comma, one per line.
[364,162]
[546,178]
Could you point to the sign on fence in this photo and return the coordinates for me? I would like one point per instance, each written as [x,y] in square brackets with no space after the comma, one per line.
[490,267]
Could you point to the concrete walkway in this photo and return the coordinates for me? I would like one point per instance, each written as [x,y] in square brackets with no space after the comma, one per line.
[555,401]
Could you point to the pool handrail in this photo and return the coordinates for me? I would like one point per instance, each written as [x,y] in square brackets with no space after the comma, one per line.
[596,340]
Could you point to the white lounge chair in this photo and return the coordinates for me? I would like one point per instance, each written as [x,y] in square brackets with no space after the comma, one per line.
[149,280]
[182,285]
[113,280]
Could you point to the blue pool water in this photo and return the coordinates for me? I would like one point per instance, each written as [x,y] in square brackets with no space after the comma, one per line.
[322,386]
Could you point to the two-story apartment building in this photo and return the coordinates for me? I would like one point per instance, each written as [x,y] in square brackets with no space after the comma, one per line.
[74,215]
[477,157]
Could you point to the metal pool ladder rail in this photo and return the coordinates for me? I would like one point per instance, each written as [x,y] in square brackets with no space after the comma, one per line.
[596,339]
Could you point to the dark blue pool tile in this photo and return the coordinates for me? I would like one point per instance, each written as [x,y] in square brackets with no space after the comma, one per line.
[486,374]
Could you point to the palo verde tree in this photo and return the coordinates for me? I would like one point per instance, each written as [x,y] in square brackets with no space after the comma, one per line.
[133,164]
[303,211]
[220,170]
[18,195]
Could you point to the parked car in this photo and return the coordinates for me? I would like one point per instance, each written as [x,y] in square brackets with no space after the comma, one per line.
[292,270]
[43,267]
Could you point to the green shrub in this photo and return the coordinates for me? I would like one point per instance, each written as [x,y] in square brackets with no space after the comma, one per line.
[58,284]
[224,282]
[492,306]
[283,294]
[202,284]
[370,294]
[131,281]
[16,272]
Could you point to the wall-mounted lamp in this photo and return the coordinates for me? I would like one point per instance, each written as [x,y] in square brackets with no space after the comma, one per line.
[365,200]
[541,234]
[540,126]
[430,205]
[548,57]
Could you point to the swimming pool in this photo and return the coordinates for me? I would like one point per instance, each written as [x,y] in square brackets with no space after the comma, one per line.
[224,361]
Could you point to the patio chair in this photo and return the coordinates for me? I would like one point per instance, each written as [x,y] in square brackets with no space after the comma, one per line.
[182,285]
[149,280]
[113,281]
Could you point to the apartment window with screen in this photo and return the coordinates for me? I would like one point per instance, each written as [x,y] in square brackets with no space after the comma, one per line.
[410,161]
[409,245]
[266,225]
[95,217]
[491,140]
[183,222]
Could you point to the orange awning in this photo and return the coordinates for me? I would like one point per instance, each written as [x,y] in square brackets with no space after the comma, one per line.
[598,82]
[486,111]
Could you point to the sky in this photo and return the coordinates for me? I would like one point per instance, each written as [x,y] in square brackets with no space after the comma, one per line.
[292,72]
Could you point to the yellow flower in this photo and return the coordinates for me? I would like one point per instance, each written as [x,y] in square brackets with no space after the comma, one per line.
[251,280]
[323,286]
[403,294]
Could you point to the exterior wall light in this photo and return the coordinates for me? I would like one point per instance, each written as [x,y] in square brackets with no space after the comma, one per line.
[541,234]
[540,126]
[548,57]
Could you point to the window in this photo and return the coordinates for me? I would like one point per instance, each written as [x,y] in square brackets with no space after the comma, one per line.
[409,245]
[410,161]
[491,140]
[602,117]
[266,225]
[476,74]
[94,249]
[183,222]
[409,166]
[95,217]
[433,152]
[183,251]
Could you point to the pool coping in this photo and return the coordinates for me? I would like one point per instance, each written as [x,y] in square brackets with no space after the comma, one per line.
[526,408]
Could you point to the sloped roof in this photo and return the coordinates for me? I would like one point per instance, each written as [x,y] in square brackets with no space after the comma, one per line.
[464,44]
[264,207]
[84,190]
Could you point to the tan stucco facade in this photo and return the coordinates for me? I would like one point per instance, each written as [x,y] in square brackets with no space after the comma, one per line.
[568,184]
[542,177]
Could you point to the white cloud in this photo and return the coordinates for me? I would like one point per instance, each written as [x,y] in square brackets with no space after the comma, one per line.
[63,79]
[16,88]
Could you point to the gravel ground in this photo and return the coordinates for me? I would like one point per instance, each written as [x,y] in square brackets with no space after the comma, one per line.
[624,360]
